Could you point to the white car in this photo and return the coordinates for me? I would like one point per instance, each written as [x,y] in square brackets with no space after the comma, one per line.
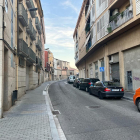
[71,79]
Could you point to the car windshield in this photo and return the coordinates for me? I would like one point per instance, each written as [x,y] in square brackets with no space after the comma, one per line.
[111,84]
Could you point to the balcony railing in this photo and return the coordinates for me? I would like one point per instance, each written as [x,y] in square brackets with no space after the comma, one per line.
[38,25]
[88,46]
[32,56]
[76,50]
[76,59]
[30,5]
[23,16]
[33,34]
[29,27]
[120,19]
[39,44]
[23,48]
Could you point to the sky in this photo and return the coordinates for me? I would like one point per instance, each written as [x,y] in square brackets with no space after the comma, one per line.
[60,21]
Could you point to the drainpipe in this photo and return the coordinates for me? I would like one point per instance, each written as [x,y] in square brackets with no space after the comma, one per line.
[1,57]
[17,47]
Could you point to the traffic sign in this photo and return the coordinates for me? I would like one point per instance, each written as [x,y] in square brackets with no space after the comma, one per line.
[102,69]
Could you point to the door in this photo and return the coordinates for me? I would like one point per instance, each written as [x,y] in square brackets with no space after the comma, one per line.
[129,80]
[27,78]
[91,71]
[115,73]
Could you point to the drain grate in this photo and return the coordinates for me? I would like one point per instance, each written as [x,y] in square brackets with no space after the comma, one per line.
[94,106]
[56,112]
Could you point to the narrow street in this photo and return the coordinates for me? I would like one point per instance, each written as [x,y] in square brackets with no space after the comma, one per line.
[85,117]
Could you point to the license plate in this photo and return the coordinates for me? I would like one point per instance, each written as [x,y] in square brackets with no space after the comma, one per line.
[115,89]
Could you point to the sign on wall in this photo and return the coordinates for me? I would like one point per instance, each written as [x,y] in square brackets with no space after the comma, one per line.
[102,69]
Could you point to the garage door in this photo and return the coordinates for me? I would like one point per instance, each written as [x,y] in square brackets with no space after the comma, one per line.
[115,74]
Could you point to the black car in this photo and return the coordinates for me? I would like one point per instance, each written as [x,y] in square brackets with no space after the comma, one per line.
[77,82]
[106,89]
[86,83]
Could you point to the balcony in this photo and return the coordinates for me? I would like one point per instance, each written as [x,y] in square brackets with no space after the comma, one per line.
[29,27]
[119,19]
[76,50]
[39,44]
[38,25]
[33,34]
[22,15]
[23,48]
[38,62]
[32,56]
[30,5]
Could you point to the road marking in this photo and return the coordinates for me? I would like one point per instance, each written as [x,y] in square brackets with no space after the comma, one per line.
[66,83]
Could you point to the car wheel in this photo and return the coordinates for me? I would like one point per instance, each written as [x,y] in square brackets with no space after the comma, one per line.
[100,95]
[79,88]
[86,89]
[138,105]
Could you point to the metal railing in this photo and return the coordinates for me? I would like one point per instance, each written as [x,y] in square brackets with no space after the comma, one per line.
[39,44]
[88,46]
[33,33]
[23,48]
[29,27]
[38,25]
[32,56]
[23,16]
[121,19]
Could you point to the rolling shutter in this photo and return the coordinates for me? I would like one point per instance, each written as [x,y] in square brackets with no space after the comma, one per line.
[137,7]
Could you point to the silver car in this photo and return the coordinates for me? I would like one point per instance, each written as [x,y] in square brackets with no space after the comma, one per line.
[71,79]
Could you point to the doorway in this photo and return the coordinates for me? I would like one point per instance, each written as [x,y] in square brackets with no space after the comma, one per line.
[129,80]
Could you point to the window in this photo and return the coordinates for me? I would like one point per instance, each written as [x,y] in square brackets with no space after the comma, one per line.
[6,6]
[96,66]
[11,28]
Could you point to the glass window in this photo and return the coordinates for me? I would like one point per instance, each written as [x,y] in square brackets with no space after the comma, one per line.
[111,84]
[94,80]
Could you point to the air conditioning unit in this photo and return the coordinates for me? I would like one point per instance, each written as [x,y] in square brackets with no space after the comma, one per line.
[15,48]
[115,12]
[4,24]
[110,59]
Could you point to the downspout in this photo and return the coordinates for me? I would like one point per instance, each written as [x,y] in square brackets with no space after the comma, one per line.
[2,69]
[17,47]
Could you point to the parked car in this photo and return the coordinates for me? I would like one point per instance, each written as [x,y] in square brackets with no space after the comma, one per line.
[86,83]
[77,82]
[106,89]
[136,99]
[71,79]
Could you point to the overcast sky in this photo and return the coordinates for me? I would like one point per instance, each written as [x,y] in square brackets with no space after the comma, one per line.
[60,20]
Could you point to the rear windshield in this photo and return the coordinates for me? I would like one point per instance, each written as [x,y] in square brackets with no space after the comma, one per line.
[94,80]
[111,84]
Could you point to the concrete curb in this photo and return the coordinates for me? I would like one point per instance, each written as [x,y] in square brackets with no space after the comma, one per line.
[57,132]
[128,98]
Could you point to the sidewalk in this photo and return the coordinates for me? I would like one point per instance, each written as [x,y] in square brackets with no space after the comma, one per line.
[128,95]
[29,118]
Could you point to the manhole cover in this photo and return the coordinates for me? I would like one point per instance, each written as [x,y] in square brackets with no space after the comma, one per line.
[94,106]
[56,112]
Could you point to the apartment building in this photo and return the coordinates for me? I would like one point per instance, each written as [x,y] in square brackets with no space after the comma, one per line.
[107,41]
[22,39]
[30,40]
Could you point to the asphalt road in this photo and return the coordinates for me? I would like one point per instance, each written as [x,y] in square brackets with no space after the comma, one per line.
[85,117]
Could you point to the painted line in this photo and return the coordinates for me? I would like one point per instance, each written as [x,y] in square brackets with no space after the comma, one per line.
[54,118]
